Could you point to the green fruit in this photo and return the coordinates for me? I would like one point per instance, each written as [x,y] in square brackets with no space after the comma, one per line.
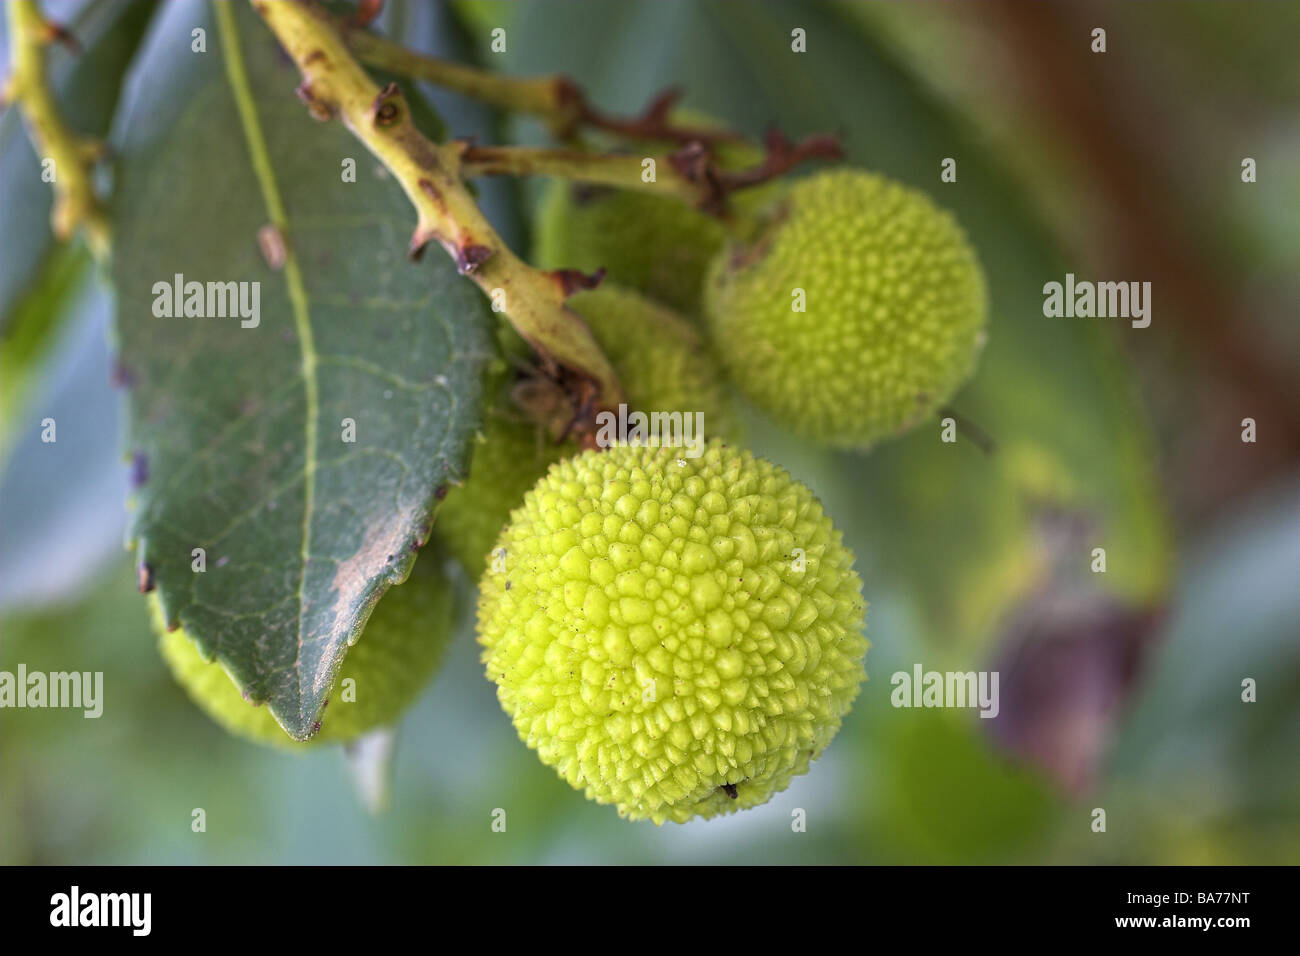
[390,664]
[664,366]
[509,456]
[677,637]
[895,309]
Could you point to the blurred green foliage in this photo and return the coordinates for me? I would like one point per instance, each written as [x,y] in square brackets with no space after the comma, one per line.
[948,540]
[39,278]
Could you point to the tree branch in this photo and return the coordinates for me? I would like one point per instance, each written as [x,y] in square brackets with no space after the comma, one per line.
[622,171]
[335,85]
[556,99]
[75,203]
[690,173]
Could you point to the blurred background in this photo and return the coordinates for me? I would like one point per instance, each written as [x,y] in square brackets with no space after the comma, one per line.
[1120,691]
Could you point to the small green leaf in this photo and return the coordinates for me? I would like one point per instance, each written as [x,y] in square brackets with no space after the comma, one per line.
[242,433]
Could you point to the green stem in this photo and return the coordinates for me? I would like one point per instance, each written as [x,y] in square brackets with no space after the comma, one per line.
[538,96]
[75,203]
[619,171]
[554,98]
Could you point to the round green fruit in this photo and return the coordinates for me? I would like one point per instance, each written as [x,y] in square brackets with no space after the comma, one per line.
[678,637]
[664,366]
[390,664]
[894,309]
[510,454]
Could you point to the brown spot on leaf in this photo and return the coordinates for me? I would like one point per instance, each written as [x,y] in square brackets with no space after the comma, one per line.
[121,376]
[271,243]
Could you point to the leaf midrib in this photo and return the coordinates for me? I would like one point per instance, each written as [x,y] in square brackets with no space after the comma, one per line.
[237,76]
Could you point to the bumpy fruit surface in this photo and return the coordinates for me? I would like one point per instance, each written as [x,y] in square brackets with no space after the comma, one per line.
[663,364]
[390,663]
[895,309]
[677,637]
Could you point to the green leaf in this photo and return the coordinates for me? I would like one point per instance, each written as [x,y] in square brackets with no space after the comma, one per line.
[242,430]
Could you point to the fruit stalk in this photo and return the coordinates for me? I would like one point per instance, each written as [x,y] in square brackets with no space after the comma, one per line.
[556,99]
[75,203]
[335,85]
[621,171]
[690,173]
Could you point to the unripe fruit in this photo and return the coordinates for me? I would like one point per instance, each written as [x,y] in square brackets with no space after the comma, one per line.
[390,664]
[677,637]
[509,456]
[895,309]
[663,364]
